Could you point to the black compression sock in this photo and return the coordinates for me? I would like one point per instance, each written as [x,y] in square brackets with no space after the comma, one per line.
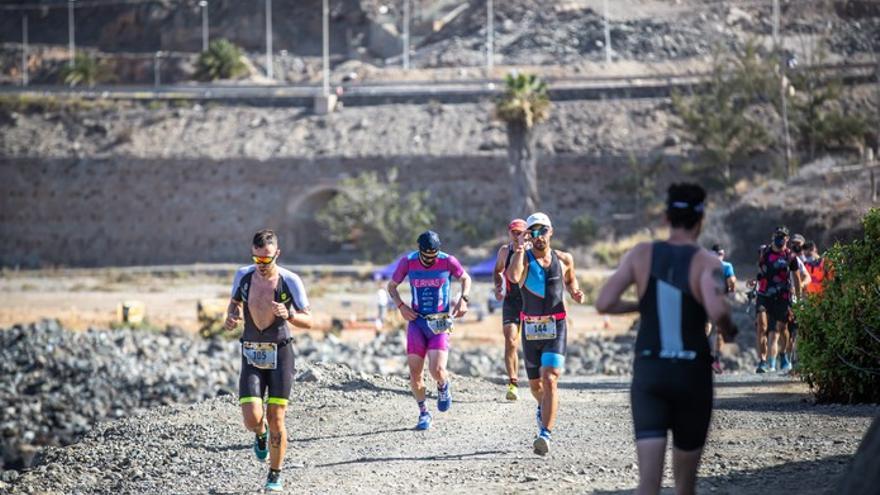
[262,439]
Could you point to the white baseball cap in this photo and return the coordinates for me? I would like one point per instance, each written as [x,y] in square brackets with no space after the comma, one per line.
[538,219]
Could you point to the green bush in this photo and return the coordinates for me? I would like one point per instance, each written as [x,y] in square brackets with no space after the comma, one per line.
[583,230]
[372,214]
[819,122]
[839,343]
[222,60]
[719,120]
[85,70]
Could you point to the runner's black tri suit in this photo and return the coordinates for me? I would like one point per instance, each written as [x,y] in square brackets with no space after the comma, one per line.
[672,374]
[512,306]
[266,356]
[543,315]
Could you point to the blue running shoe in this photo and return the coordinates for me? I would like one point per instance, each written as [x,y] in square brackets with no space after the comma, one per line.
[273,482]
[542,442]
[762,367]
[444,398]
[538,417]
[261,445]
[771,364]
[424,421]
[785,364]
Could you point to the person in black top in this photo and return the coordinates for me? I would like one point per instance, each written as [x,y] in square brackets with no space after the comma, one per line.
[543,275]
[269,300]
[512,306]
[680,285]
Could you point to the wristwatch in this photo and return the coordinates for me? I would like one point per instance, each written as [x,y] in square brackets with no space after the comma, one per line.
[466,298]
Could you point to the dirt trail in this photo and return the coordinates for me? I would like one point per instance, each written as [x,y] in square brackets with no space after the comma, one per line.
[352,433]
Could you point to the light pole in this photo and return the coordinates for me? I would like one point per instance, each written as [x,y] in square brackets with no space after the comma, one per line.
[406,22]
[775,24]
[24,50]
[71,46]
[326,48]
[783,64]
[490,35]
[607,33]
[157,61]
[204,5]
[269,68]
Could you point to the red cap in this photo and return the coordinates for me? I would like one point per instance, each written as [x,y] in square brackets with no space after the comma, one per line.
[517,224]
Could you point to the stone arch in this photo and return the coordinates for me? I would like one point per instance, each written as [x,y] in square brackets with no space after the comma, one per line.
[303,234]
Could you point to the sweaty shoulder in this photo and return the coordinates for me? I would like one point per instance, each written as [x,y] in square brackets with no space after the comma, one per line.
[708,259]
[640,251]
[639,257]
[565,257]
[296,288]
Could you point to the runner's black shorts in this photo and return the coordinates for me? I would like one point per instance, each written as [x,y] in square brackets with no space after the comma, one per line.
[672,395]
[544,353]
[777,309]
[511,309]
[254,383]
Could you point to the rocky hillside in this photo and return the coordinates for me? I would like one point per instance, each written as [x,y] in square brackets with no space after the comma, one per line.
[568,34]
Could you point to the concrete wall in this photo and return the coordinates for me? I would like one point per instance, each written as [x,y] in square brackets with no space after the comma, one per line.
[129,211]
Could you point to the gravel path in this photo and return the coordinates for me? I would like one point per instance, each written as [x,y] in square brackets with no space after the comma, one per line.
[352,433]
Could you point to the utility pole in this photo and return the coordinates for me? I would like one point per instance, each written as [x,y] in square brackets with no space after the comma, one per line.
[24,50]
[782,87]
[490,35]
[204,5]
[157,61]
[406,22]
[269,68]
[607,33]
[71,44]
[775,24]
[783,64]
[326,48]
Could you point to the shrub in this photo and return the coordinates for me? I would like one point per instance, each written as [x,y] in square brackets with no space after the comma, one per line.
[375,216]
[609,253]
[839,343]
[85,70]
[583,230]
[718,120]
[819,121]
[222,60]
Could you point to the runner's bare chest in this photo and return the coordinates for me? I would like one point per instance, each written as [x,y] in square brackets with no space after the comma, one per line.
[260,299]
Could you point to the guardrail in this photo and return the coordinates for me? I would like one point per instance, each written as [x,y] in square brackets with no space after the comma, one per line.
[385,92]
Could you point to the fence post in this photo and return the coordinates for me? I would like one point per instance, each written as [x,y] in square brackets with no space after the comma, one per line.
[24,50]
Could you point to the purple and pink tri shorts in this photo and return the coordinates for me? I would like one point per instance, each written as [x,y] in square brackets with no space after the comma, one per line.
[420,339]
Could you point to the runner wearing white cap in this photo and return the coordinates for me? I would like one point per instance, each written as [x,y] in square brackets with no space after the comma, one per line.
[543,274]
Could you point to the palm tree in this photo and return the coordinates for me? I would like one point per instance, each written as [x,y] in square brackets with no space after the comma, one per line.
[222,60]
[525,103]
[85,70]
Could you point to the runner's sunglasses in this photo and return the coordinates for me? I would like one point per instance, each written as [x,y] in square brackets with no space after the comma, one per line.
[263,260]
[535,233]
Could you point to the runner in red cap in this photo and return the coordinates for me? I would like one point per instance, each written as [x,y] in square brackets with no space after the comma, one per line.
[511,308]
